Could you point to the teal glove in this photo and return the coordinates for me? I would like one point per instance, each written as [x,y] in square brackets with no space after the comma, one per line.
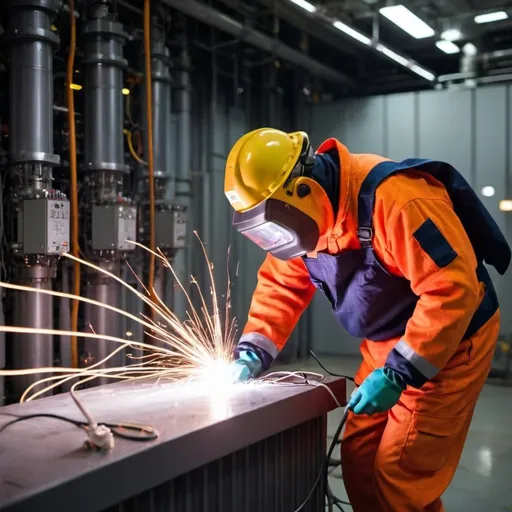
[247,366]
[379,392]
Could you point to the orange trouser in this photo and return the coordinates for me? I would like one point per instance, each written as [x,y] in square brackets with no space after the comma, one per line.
[403,460]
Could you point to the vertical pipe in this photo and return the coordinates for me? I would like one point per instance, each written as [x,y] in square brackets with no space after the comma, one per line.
[34,310]
[65,319]
[102,321]
[183,180]
[31,45]
[105,167]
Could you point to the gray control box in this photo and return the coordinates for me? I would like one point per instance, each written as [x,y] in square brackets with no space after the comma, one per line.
[46,227]
[171,228]
[112,226]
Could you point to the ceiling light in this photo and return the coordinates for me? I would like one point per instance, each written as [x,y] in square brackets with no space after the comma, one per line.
[424,73]
[452,34]
[407,21]
[491,16]
[392,55]
[447,47]
[352,33]
[125,91]
[506,205]
[488,191]
[305,5]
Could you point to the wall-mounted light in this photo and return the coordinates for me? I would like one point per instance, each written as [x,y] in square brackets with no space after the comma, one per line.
[506,205]
[125,91]
[488,191]
[76,87]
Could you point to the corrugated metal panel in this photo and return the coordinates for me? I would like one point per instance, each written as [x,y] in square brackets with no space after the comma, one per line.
[471,129]
[274,475]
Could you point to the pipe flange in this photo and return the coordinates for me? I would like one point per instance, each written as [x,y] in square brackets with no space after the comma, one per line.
[101,58]
[22,157]
[52,6]
[36,273]
[18,36]
[105,166]
[102,26]
[159,174]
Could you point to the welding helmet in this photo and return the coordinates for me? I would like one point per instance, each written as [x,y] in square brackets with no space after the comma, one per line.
[278,205]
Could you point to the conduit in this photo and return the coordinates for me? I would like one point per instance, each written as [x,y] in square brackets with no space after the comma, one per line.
[150,155]
[75,248]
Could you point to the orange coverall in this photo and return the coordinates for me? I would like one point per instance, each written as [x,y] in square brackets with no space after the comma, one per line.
[404,459]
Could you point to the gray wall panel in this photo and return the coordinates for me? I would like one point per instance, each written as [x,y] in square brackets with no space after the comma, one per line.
[471,129]
[445,127]
[400,126]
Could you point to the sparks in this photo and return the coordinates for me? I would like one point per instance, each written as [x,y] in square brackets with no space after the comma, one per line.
[199,348]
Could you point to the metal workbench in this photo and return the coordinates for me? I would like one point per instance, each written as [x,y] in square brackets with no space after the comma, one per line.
[260,448]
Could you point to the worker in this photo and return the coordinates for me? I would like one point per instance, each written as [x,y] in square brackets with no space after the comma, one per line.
[398,248]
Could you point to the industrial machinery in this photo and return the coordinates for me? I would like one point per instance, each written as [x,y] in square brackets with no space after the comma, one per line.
[37,211]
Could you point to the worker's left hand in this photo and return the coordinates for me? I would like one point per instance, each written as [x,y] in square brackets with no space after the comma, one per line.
[379,392]
[247,366]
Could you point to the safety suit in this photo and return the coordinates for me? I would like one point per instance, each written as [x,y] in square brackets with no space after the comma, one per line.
[402,268]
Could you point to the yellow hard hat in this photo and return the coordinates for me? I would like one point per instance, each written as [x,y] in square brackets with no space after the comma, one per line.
[259,163]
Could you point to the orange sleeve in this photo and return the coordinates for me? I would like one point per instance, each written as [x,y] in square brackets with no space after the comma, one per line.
[430,247]
[283,292]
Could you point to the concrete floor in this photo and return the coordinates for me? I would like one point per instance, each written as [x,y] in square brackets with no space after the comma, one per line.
[483,482]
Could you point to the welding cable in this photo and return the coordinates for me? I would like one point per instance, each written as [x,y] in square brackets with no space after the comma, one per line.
[323,472]
[131,149]
[329,372]
[150,156]
[75,247]
[129,431]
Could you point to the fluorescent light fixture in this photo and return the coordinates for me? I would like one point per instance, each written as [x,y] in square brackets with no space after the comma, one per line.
[506,205]
[407,21]
[491,16]
[392,55]
[427,75]
[305,5]
[452,34]
[447,47]
[352,33]
[488,191]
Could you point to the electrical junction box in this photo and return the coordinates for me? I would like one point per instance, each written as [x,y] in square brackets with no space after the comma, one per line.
[171,228]
[112,226]
[45,226]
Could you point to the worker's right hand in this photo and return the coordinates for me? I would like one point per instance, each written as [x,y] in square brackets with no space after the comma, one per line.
[247,366]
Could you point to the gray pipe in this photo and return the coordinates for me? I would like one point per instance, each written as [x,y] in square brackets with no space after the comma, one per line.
[65,319]
[100,320]
[216,19]
[161,102]
[31,80]
[35,310]
[183,180]
[103,123]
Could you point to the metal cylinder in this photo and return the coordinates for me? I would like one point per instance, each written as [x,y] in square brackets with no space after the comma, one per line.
[183,179]
[161,106]
[101,288]
[31,44]
[103,119]
[34,310]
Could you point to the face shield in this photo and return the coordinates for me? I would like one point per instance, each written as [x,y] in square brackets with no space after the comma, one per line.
[280,224]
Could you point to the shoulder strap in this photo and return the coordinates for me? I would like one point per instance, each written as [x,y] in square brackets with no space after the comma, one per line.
[485,235]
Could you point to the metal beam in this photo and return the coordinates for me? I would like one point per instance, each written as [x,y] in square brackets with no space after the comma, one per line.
[220,21]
